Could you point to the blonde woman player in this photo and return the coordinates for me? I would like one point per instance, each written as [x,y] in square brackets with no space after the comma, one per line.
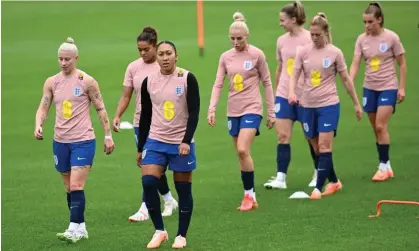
[320,62]
[246,67]
[74,145]
[292,18]
[134,76]
[380,48]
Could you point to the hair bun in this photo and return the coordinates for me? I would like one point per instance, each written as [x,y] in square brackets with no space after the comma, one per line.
[149,29]
[321,14]
[238,16]
[70,40]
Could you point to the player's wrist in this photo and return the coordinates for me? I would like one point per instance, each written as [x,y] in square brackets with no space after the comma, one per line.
[108,136]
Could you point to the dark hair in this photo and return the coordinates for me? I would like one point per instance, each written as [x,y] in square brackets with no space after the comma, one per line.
[149,35]
[375,9]
[296,10]
[167,42]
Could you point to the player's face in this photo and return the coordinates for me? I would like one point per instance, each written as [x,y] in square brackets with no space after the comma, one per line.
[238,38]
[166,57]
[147,51]
[372,24]
[286,22]
[318,36]
[67,61]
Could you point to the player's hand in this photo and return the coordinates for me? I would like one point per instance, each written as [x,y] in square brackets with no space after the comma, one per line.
[115,124]
[401,95]
[39,133]
[358,112]
[270,122]
[109,146]
[184,149]
[292,98]
[139,159]
[211,118]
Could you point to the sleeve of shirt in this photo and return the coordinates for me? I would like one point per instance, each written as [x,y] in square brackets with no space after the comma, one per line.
[193,103]
[145,118]
[128,79]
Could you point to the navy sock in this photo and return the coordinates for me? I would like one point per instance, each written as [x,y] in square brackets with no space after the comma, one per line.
[283,157]
[325,164]
[248,179]
[143,196]
[184,190]
[383,153]
[69,200]
[378,151]
[314,156]
[152,200]
[332,174]
[78,203]
[163,186]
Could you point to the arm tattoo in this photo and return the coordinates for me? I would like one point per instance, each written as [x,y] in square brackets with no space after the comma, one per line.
[46,102]
[100,109]
[43,118]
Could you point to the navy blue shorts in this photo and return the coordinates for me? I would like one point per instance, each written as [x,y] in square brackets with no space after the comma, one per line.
[284,110]
[373,99]
[245,121]
[321,119]
[164,154]
[67,155]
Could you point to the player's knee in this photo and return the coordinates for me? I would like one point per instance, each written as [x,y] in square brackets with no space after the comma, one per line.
[380,128]
[150,181]
[283,137]
[76,186]
[325,146]
[242,152]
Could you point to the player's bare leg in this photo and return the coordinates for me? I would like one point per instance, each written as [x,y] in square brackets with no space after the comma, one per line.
[243,144]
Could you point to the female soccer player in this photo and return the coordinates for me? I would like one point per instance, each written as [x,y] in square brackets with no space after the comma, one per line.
[170,112]
[380,47]
[320,62]
[292,19]
[246,67]
[134,76]
[74,140]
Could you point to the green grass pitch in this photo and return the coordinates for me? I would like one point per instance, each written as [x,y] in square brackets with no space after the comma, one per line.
[34,206]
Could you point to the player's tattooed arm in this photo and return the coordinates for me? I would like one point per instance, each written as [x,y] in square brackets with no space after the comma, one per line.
[96,97]
[41,113]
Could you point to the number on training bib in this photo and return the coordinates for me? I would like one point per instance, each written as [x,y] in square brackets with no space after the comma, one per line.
[290,66]
[375,63]
[67,109]
[168,110]
[316,78]
[238,82]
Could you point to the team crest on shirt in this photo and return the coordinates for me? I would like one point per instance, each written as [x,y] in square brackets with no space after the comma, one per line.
[247,65]
[326,62]
[179,90]
[77,91]
[383,47]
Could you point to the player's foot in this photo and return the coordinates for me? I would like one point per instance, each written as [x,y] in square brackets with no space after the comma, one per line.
[141,215]
[381,175]
[169,207]
[316,194]
[78,235]
[158,238]
[67,234]
[180,242]
[248,203]
[332,188]
[389,170]
[275,184]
